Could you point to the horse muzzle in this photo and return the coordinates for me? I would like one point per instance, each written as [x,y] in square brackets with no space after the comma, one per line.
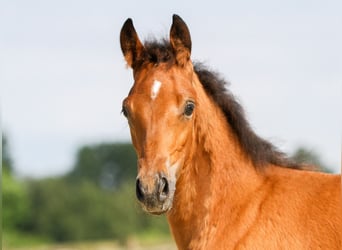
[155,193]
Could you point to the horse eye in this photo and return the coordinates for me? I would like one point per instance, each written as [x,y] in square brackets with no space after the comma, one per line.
[189,108]
[124,111]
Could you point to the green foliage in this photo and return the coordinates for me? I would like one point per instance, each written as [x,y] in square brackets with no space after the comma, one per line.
[15,203]
[83,211]
[6,158]
[106,165]
[96,200]
[17,238]
[311,158]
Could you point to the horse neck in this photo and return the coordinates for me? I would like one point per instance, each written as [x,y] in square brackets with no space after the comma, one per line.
[219,172]
[217,152]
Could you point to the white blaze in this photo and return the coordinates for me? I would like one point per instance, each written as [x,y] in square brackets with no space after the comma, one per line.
[172,172]
[155,89]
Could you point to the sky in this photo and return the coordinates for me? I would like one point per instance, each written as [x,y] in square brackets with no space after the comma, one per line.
[63,76]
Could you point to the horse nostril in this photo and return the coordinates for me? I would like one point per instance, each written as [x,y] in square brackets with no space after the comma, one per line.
[166,186]
[163,189]
[139,191]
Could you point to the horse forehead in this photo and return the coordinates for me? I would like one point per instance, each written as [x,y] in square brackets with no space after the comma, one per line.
[152,84]
[150,88]
[148,94]
[155,85]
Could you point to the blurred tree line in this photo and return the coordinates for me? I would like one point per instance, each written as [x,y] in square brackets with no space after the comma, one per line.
[96,200]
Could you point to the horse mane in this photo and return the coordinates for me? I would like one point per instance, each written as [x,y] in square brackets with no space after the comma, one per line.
[260,151]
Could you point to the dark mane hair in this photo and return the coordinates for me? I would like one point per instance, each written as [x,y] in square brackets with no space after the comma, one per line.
[156,52]
[260,151]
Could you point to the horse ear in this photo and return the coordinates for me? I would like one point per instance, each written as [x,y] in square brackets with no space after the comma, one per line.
[180,40]
[131,46]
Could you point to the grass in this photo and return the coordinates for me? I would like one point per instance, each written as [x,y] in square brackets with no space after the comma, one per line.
[149,240]
[70,246]
[101,245]
[11,239]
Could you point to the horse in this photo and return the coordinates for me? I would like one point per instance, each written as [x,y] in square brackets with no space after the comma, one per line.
[200,163]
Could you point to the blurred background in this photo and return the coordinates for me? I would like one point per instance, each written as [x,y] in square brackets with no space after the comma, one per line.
[68,167]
